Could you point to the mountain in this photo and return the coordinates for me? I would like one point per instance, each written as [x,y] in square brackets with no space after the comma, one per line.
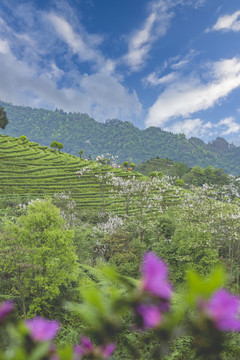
[79,131]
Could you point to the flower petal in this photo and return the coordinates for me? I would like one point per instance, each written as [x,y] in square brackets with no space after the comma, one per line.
[5,308]
[42,329]
[151,315]
[223,308]
[155,276]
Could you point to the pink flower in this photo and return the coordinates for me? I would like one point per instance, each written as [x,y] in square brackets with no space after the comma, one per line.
[156,289]
[5,308]
[86,348]
[155,276]
[151,315]
[42,329]
[108,350]
[223,309]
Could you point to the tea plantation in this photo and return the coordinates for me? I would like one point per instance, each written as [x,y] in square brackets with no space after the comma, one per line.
[30,171]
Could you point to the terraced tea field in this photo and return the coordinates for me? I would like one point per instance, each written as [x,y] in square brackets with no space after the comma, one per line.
[30,171]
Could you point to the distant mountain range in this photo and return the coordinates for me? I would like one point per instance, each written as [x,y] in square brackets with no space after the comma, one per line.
[79,131]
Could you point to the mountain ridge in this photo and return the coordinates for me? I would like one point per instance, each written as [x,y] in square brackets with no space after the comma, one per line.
[120,138]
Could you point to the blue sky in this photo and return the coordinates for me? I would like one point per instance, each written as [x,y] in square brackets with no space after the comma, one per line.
[168,63]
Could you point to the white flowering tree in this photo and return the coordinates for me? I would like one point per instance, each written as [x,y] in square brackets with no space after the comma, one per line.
[101,174]
[67,206]
[144,199]
[216,211]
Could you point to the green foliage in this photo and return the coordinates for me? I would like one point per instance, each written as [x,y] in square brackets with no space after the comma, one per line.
[57,145]
[156,174]
[37,258]
[3,118]
[179,182]
[196,176]
[118,138]
[29,170]
[165,227]
[80,153]
[188,248]
[23,138]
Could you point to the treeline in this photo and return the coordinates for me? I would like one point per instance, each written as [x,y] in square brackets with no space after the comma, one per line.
[79,131]
[184,175]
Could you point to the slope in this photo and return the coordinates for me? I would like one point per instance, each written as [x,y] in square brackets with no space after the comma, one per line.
[32,171]
[79,131]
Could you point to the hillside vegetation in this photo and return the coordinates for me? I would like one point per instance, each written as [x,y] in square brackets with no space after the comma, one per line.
[28,170]
[78,131]
[188,176]
[63,218]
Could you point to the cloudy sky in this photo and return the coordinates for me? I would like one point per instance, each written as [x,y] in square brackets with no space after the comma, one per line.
[168,63]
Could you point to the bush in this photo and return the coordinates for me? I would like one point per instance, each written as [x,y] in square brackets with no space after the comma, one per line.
[23,138]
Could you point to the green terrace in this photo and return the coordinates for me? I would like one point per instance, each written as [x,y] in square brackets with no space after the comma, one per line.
[28,171]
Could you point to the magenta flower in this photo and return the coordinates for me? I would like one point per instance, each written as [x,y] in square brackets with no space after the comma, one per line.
[86,348]
[155,276]
[223,309]
[42,329]
[108,350]
[151,315]
[156,291]
[5,308]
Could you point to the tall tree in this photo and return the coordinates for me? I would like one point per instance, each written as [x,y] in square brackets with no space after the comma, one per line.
[3,118]
[37,258]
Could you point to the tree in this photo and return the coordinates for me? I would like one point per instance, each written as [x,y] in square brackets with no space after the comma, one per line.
[37,258]
[57,145]
[23,138]
[179,182]
[80,153]
[3,118]
[132,165]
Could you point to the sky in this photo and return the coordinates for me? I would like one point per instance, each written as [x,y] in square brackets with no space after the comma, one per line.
[174,64]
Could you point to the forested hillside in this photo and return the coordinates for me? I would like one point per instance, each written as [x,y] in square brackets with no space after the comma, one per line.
[78,131]
[63,219]
[184,175]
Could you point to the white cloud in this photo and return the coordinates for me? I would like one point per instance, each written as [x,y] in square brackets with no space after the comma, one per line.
[4,47]
[155,26]
[227,22]
[154,80]
[56,73]
[179,64]
[82,44]
[100,95]
[231,126]
[37,66]
[190,94]
[199,128]
[109,98]
[190,127]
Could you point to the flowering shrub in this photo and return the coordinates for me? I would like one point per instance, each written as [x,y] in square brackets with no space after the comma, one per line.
[204,310]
